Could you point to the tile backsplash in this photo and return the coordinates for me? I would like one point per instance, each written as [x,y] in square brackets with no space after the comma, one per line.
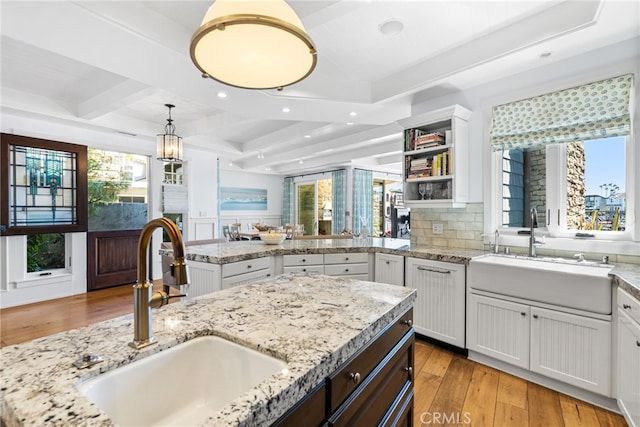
[462,228]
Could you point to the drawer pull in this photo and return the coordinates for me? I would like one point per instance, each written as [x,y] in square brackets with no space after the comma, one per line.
[388,262]
[346,270]
[304,260]
[522,313]
[304,269]
[409,322]
[248,266]
[355,377]
[409,371]
[638,343]
[433,270]
[346,258]
[535,316]
[626,306]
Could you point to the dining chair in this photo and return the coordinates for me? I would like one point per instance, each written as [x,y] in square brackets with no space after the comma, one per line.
[234,232]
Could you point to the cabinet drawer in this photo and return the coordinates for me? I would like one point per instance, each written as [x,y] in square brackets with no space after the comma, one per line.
[343,381]
[310,411]
[248,266]
[629,305]
[316,269]
[305,259]
[375,398]
[242,279]
[345,269]
[346,258]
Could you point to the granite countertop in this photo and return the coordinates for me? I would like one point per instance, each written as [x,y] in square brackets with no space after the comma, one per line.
[626,276]
[314,323]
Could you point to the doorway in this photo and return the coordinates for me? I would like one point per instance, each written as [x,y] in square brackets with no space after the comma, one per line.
[314,206]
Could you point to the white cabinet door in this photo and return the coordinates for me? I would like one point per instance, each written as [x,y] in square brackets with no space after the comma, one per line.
[389,268]
[439,310]
[573,349]
[629,368]
[204,278]
[499,329]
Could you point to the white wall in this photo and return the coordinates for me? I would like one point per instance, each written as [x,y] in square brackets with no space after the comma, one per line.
[273,185]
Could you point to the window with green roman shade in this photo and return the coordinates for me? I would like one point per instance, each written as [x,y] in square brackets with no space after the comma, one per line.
[590,111]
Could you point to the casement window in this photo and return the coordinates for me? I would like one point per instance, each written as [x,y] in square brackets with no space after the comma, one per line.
[567,154]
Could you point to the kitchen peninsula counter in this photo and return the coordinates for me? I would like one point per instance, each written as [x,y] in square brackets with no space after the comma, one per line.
[314,323]
[626,276]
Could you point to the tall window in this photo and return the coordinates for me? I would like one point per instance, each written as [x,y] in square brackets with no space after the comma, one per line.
[565,154]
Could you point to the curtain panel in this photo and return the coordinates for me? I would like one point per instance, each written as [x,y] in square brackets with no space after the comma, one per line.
[338,200]
[287,201]
[591,111]
[362,199]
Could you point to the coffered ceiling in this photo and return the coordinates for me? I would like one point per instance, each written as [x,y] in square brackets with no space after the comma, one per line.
[112,65]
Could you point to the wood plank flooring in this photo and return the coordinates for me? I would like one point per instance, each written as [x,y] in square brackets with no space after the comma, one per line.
[449,389]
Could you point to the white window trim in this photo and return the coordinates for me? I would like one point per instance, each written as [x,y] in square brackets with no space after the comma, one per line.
[53,274]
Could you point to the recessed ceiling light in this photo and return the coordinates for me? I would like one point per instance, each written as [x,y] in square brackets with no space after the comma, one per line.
[349,123]
[391,27]
[230,163]
[301,162]
[307,136]
[222,94]
[353,114]
[286,110]
[260,155]
[267,169]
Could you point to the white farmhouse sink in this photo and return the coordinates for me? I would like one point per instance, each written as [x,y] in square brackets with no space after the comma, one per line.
[569,284]
[182,385]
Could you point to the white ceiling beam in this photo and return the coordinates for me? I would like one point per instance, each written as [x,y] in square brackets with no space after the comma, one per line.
[112,99]
[552,22]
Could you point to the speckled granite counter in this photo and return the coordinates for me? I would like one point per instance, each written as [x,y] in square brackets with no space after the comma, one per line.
[314,323]
[627,276]
[222,253]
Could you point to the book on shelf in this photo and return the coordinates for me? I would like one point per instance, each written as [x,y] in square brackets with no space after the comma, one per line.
[440,164]
[417,139]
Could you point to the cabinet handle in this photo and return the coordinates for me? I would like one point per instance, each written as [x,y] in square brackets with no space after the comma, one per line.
[638,343]
[346,259]
[626,306]
[268,274]
[304,269]
[433,270]
[355,377]
[409,322]
[410,372]
[388,262]
[248,266]
[346,270]
[535,316]
[304,260]
[522,313]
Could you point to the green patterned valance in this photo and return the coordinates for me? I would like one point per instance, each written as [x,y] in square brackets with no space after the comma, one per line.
[594,110]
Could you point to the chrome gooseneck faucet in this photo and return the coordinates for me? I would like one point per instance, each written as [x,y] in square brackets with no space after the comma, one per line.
[143,297]
[532,236]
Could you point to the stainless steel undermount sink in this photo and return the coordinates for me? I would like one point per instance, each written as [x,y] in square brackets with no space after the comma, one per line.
[579,285]
[182,385]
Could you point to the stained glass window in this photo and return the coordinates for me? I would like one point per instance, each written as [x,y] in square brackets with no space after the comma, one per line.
[45,189]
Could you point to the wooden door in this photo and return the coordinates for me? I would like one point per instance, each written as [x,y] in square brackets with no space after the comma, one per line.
[112,257]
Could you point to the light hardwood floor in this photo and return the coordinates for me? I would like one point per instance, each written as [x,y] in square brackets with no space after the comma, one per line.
[449,389]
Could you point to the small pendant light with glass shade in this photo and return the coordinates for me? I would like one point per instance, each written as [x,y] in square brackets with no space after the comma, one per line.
[169,144]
